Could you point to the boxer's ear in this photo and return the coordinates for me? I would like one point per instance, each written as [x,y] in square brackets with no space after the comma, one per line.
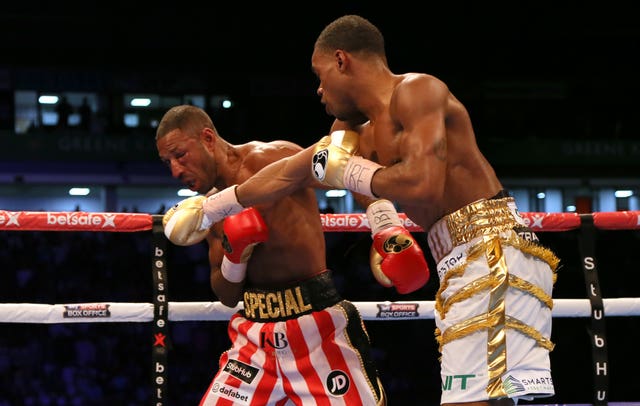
[208,139]
[341,59]
[207,135]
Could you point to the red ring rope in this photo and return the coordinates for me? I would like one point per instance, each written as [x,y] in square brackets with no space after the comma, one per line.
[354,222]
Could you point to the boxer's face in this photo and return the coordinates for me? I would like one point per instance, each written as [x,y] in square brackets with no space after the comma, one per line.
[189,159]
[332,69]
[322,64]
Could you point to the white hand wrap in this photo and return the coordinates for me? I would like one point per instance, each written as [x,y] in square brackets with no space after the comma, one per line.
[335,164]
[220,205]
[358,175]
[234,273]
[382,214]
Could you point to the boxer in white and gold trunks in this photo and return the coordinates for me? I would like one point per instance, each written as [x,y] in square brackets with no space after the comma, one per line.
[493,308]
[406,138]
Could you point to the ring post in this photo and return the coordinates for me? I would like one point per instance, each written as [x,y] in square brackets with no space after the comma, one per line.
[160,328]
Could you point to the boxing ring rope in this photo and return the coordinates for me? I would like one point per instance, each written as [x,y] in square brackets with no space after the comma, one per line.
[215,311]
[161,310]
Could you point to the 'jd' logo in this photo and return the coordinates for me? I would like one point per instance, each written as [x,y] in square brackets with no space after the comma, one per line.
[337,383]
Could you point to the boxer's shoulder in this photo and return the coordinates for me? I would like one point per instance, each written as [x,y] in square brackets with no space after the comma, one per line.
[256,155]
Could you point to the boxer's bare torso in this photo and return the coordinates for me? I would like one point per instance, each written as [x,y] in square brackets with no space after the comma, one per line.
[295,249]
[466,174]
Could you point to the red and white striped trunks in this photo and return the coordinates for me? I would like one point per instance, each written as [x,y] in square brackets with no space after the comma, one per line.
[300,345]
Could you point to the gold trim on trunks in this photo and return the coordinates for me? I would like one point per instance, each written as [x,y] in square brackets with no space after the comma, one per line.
[485,217]
[477,285]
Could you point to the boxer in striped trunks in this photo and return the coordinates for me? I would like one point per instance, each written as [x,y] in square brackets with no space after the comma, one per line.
[296,341]
[301,343]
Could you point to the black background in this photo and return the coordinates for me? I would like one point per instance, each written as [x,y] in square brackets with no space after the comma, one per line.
[259,54]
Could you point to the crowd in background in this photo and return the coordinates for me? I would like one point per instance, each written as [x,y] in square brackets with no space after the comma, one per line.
[110,363]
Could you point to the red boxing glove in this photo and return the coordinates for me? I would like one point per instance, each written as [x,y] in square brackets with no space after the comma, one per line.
[396,258]
[242,232]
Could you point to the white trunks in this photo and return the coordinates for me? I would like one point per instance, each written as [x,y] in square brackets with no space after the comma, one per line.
[493,308]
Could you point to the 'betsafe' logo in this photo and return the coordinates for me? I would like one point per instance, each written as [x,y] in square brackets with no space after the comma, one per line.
[357,222]
[351,221]
[8,218]
[534,221]
[102,220]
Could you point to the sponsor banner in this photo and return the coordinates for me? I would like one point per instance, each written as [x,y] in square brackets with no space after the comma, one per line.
[537,221]
[358,222]
[75,312]
[161,341]
[74,221]
[98,310]
[240,370]
[231,393]
[396,310]
[349,222]
[393,310]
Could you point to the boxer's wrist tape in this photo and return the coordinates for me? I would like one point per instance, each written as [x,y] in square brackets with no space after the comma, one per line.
[233,272]
[358,174]
[382,214]
[220,205]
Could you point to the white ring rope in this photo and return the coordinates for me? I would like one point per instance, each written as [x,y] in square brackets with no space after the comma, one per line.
[184,311]
[216,311]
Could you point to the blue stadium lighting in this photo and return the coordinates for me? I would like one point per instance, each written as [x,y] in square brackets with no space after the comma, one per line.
[186,193]
[47,99]
[336,193]
[623,193]
[79,191]
[140,102]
